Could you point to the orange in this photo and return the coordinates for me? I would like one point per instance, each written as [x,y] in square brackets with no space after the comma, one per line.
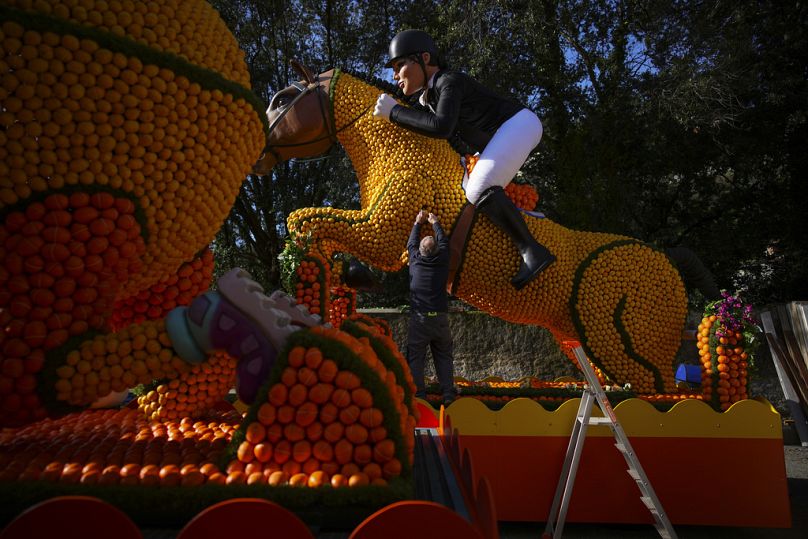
[333,432]
[318,479]
[306,414]
[278,395]
[256,478]
[266,414]
[245,452]
[293,432]
[255,433]
[296,356]
[313,358]
[327,371]
[328,413]
[371,417]
[263,452]
[320,393]
[314,431]
[289,376]
[301,451]
[339,480]
[323,451]
[341,398]
[297,394]
[356,433]
[391,468]
[358,479]
[347,380]
[372,470]
[384,450]
[286,414]
[362,397]
[278,478]
[343,451]
[349,415]
[283,450]
[236,478]
[363,454]
[299,480]
[291,467]
[307,376]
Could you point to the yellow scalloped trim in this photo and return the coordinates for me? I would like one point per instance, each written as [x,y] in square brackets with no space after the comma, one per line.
[687,419]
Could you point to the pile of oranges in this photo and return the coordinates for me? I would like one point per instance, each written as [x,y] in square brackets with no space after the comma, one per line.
[61,259]
[343,304]
[311,288]
[724,374]
[332,413]
[191,279]
[199,390]
[111,447]
[117,361]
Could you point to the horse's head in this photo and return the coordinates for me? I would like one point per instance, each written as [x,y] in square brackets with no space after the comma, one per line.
[300,120]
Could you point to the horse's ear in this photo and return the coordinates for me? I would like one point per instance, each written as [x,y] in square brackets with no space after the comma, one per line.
[308,76]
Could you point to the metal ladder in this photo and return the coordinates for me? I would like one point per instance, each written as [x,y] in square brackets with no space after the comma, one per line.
[595,393]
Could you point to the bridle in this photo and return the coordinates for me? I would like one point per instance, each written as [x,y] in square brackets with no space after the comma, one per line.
[332,132]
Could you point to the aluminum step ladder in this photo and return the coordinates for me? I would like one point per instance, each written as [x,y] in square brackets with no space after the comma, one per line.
[594,393]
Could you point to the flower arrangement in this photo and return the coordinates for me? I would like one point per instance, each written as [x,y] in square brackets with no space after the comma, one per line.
[728,337]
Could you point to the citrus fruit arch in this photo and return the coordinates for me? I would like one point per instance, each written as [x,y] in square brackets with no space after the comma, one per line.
[125,132]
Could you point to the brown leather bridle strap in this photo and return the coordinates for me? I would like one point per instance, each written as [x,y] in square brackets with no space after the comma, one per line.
[332,133]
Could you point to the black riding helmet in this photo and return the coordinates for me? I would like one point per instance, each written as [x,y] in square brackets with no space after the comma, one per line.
[412,42]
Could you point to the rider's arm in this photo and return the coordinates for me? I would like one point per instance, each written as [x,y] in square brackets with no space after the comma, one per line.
[443,122]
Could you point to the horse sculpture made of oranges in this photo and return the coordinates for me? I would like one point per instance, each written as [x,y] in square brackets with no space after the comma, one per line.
[622,299]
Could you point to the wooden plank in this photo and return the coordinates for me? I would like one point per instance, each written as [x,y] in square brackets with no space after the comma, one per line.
[793,398]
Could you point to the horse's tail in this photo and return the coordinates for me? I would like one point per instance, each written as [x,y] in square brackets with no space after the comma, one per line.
[693,271]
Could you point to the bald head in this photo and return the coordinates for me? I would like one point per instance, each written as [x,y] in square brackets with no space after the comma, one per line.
[428,247]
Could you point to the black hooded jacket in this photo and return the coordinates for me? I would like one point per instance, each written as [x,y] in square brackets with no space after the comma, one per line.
[428,274]
[463,108]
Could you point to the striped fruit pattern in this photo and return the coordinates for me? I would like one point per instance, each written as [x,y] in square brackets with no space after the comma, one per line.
[333,412]
[125,133]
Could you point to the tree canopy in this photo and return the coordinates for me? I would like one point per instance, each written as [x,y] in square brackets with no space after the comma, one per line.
[677,122]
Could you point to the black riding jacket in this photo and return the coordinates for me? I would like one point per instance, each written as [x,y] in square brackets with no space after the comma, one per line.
[463,108]
[428,275]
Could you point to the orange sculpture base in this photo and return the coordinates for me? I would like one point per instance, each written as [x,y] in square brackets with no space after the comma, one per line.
[707,468]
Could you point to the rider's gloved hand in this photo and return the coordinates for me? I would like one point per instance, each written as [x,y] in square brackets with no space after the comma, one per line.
[384,105]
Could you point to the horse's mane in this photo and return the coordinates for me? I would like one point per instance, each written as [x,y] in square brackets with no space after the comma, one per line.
[411,101]
[384,86]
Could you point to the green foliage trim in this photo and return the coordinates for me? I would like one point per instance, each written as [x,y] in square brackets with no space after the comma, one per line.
[295,248]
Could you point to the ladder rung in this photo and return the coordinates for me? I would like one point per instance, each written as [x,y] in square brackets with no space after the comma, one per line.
[649,503]
[622,448]
[600,421]
[635,475]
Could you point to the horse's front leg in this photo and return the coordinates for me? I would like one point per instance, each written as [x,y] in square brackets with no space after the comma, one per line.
[376,234]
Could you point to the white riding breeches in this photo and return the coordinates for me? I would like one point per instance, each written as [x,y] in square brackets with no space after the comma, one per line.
[504,155]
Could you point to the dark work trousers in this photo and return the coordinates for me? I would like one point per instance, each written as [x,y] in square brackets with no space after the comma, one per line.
[431,330]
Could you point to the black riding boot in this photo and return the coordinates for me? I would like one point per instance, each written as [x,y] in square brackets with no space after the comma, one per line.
[496,205]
